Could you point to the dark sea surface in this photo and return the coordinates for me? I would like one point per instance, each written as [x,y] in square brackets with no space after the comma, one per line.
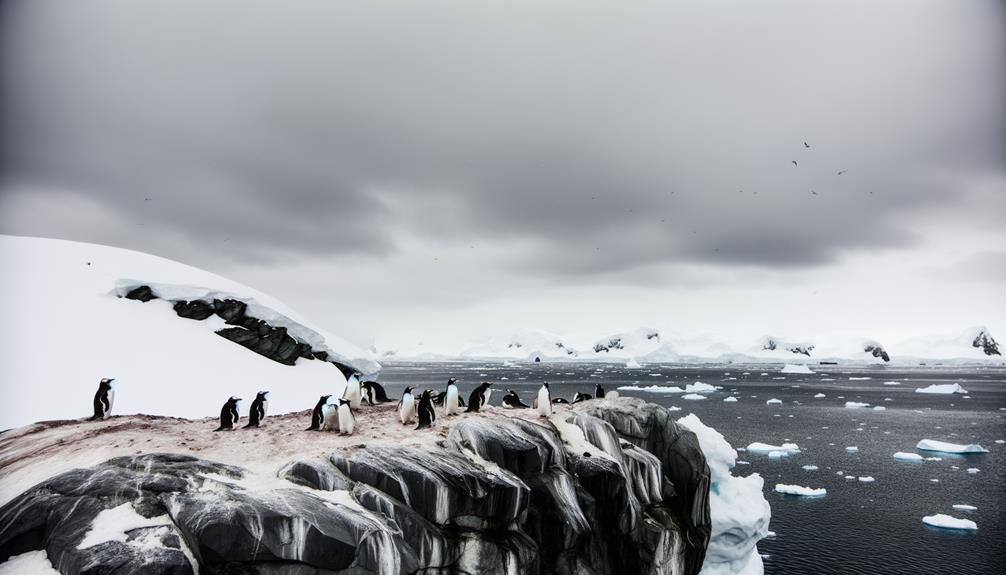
[857,527]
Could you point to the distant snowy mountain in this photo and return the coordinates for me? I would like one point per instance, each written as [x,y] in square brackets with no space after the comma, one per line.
[639,343]
[67,324]
[974,344]
[770,343]
[527,345]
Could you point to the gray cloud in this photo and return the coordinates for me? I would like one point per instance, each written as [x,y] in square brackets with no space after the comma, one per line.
[611,137]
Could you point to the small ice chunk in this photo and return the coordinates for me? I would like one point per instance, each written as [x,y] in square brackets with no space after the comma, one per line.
[800,490]
[774,401]
[693,396]
[933,445]
[973,470]
[730,399]
[819,395]
[939,459]
[855,404]
[963,507]
[1000,441]
[948,522]
[892,383]
[765,447]
[810,468]
[865,479]
[945,389]
[905,456]
[795,368]
[879,408]
[859,378]
[852,449]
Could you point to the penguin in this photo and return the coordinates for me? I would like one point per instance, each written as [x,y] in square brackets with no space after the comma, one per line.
[477,398]
[560,400]
[258,409]
[582,397]
[511,401]
[374,393]
[318,414]
[346,420]
[598,391]
[544,401]
[427,415]
[330,416]
[407,407]
[229,414]
[103,399]
[352,391]
[451,405]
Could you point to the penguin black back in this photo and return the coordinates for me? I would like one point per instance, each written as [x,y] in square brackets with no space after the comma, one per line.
[258,408]
[229,414]
[374,392]
[427,414]
[477,397]
[102,402]
[598,392]
[318,414]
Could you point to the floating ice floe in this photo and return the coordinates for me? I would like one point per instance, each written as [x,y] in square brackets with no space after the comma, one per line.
[795,368]
[963,507]
[973,470]
[905,456]
[945,389]
[632,364]
[774,401]
[859,378]
[800,490]
[757,447]
[730,399]
[866,479]
[933,445]
[939,459]
[892,383]
[1000,441]
[697,387]
[852,449]
[693,396]
[855,404]
[819,395]
[809,468]
[948,522]
[879,408]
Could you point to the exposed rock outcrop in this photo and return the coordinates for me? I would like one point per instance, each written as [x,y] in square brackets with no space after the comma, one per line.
[613,487]
[876,350]
[771,344]
[984,341]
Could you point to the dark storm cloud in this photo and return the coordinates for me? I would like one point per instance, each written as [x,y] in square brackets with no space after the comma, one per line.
[611,136]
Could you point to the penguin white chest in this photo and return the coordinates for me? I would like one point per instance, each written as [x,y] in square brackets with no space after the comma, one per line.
[451,404]
[330,418]
[353,392]
[407,411]
[346,420]
[487,395]
[544,402]
[111,403]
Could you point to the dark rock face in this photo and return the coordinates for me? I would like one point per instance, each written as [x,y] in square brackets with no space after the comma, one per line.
[254,334]
[876,350]
[985,342]
[771,345]
[499,496]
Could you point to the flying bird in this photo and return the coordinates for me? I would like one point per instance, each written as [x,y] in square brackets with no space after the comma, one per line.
[794,163]
[840,172]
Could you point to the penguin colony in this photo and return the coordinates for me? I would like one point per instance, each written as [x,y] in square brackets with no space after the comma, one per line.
[338,415]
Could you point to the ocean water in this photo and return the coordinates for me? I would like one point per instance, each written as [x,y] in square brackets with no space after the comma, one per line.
[857,527]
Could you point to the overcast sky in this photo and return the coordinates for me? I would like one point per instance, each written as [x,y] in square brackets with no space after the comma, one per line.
[444,171]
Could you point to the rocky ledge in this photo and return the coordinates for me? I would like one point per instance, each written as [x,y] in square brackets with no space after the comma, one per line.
[613,486]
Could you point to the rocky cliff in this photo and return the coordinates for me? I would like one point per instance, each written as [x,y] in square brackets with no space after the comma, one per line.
[612,486]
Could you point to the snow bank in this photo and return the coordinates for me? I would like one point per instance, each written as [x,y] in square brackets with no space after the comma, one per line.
[30,563]
[740,513]
[904,456]
[796,368]
[945,389]
[948,522]
[112,525]
[933,445]
[799,490]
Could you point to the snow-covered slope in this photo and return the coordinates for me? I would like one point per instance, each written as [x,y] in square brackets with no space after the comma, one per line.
[64,328]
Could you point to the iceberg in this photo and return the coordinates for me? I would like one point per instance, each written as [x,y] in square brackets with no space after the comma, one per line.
[819,395]
[963,507]
[740,513]
[904,456]
[633,364]
[945,389]
[801,491]
[879,408]
[766,448]
[796,368]
[942,446]
[693,396]
[730,399]
[948,522]
[774,401]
